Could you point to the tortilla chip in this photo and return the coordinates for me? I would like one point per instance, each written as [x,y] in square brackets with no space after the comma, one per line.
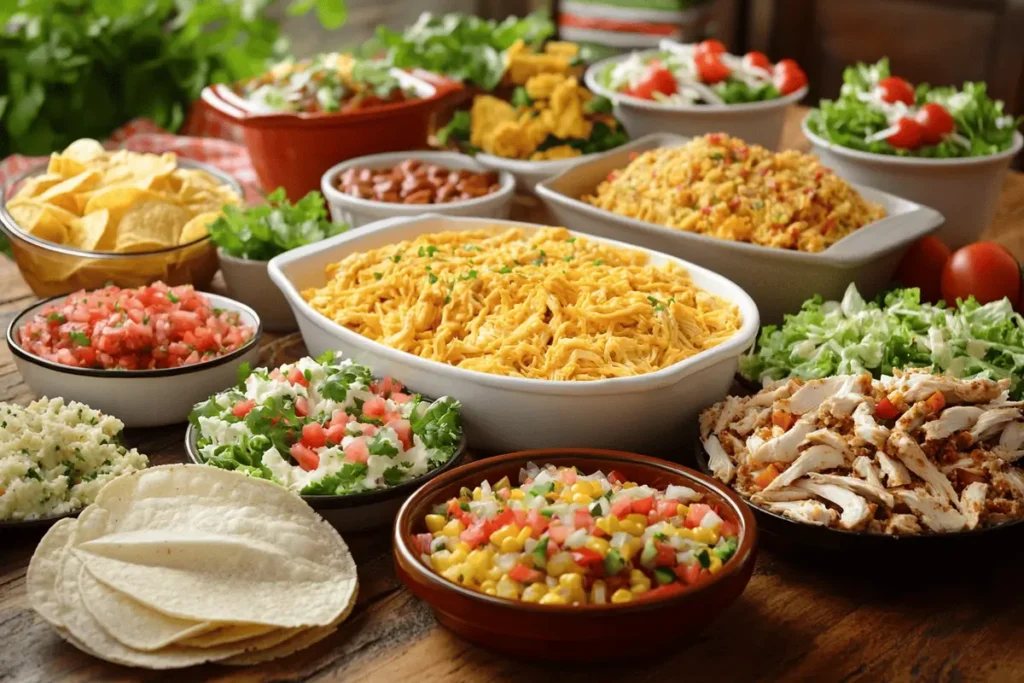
[88,232]
[198,227]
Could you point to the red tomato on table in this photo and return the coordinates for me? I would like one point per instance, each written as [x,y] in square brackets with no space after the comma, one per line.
[984,270]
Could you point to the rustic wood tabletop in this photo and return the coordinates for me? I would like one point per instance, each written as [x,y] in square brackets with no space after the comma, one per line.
[805,616]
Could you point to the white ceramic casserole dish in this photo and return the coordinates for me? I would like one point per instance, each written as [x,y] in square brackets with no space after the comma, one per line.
[965,190]
[358,212]
[510,413]
[780,280]
[760,123]
[139,398]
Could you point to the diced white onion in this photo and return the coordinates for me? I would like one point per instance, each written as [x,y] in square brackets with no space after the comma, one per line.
[683,493]
[576,539]
[711,520]
[618,539]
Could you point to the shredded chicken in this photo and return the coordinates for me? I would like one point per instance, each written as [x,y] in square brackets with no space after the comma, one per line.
[910,454]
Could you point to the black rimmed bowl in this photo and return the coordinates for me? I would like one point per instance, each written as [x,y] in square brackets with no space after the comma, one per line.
[139,398]
[920,546]
[355,511]
[51,268]
[39,524]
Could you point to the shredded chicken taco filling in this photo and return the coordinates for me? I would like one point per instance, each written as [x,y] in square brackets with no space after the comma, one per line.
[912,454]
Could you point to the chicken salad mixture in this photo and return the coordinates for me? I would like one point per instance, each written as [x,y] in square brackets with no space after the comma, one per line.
[913,453]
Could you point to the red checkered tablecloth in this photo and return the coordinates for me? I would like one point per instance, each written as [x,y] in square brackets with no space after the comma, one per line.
[142,135]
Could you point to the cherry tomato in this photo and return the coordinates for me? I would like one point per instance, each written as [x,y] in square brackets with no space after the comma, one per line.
[895,89]
[656,79]
[757,60]
[710,67]
[936,122]
[984,270]
[711,47]
[788,76]
[908,134]
[922,266]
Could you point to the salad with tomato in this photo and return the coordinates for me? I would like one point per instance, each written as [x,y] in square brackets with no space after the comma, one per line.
[326,427]
[885,114]
[561,537]
[701,73]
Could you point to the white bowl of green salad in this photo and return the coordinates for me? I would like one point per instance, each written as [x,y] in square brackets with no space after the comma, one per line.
[944,147]
[352,445]
[248,237]
[699,88]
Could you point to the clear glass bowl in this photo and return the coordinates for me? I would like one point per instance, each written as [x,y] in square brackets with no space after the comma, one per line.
[51,269]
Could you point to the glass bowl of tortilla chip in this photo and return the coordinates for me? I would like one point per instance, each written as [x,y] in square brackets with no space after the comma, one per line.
[151,235]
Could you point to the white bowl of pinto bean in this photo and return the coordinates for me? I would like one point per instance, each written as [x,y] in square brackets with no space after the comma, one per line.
[366,189]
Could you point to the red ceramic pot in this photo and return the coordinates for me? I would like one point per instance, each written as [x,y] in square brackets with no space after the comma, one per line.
[292,150]
[585,632]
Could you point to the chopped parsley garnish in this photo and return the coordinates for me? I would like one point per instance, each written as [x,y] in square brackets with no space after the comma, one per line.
[79,338]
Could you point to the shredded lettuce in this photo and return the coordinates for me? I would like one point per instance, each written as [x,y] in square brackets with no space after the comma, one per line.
[895,331]
[848,120]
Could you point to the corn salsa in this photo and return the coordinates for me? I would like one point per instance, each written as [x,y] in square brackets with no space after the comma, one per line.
[564,538]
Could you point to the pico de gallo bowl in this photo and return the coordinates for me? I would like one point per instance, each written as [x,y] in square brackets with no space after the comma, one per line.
[326,428]
[538,540]
[694,89]
[144,355]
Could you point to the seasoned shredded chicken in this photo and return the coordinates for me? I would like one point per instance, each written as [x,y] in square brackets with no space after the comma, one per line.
[911,454]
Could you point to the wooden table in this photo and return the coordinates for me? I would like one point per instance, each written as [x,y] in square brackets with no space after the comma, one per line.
[806,615]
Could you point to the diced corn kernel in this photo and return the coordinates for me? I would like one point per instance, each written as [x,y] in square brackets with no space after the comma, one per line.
[599,592]
[459,555]
[509,530]
[478,493]
[495,573]
[639,519]
[479,561]
[581,499]
[517,494]
[435,523]
[598,545]
[631,548]
[629,484]
[579,487]
[631,527]
[463,546]
[509,544]
[705,535]
[509,588]
[534,592]
[638,578]
[454,527]
[573,583]
[524,535]
[561,563]
[453,573]
[595,488]
[441,560]
[553,598]
[489,587]
[682,510]
[716,563]
[622,595]
[638,588]
[609,524]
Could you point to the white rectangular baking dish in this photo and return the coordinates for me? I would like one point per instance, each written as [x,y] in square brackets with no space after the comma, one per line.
[510,413]
[779,280]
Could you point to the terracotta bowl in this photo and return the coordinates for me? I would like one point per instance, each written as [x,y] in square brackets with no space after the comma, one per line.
[292,150]
[585,632]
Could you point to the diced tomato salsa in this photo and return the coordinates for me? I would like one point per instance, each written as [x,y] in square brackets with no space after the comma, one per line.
[154,326]
[565,538]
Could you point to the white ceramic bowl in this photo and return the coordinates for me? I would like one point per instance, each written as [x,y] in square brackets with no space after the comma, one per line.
[139,398]
[358,212]
[759,123]
[249,282]
[510,413]
[780,280]
[966,191]
[528,173]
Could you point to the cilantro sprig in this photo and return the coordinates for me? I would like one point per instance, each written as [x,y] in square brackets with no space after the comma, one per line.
[261,232]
